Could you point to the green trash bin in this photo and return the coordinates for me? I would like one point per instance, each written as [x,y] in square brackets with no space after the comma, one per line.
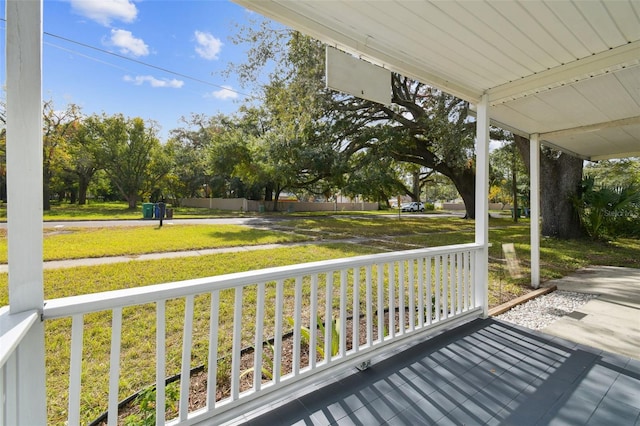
[147,210]
[261,208]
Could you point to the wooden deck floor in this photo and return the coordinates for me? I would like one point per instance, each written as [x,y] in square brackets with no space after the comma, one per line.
[485,372]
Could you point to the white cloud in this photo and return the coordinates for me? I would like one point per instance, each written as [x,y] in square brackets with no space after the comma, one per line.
[128,43]
[105,11]
[225,93]
[154,82]
[208,46]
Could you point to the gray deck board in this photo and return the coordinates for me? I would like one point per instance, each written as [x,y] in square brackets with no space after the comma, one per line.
[485,372]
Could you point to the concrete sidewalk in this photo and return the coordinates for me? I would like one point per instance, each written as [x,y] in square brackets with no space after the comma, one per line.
[73,263]
[610,322]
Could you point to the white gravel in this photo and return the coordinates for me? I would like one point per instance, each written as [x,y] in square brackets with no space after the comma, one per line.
[542,311]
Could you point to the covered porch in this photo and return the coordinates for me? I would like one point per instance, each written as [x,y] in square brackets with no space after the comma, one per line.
[566,75]
[582,369]
[486,372]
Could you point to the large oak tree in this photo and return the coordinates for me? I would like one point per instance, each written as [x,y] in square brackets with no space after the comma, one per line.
[423,126]
[560,177]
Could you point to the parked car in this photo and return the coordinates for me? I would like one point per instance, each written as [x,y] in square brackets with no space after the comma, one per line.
[412,207]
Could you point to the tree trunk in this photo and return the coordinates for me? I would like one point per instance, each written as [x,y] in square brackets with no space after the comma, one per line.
[268,192]
[83,185]
[46,195]
[132,200]
[560,176]
[416,186]
[514,187]
[465,183]
[276,198]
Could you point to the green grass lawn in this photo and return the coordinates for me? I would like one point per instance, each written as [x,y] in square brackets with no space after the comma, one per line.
[118,210]
[77,243]
[558,258]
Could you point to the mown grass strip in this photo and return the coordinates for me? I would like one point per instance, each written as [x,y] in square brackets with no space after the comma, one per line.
[117,210]
[78,243]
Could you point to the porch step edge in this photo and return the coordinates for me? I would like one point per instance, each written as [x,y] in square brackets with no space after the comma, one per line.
[501,309]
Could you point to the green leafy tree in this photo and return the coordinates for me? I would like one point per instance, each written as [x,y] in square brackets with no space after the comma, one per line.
[230,164]
[508,177]
[423,126]
[190,175]
[59,126]
[300,141]
[156,183]
[376,179]
[615,173]
[81,162]
[125,149]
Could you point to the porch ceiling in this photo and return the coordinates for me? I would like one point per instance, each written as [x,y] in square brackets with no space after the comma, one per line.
[569,71]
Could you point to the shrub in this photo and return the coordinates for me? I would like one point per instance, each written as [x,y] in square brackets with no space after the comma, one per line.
[608,212]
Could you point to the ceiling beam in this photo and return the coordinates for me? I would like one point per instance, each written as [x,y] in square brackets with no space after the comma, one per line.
[591,128]
[572,72]
[616,155]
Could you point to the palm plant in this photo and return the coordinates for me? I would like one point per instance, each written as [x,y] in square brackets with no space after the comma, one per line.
[601,208]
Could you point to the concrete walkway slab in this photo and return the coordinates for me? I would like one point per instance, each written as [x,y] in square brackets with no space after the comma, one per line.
[610,322]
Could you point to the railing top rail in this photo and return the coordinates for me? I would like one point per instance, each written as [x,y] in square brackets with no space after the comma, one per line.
[13,328]
[94,302]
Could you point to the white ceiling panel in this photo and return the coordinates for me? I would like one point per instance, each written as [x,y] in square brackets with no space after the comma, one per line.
[567,67]
[511,58]
[550,53]
[606,93]
[583,111]
[598,16]
[528,113]
[627,15]
[575,21]
[630,80]
[557,29]
[534,57]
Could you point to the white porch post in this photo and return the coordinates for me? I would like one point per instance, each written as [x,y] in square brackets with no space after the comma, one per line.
[482,204]
[24,196]
[534,166]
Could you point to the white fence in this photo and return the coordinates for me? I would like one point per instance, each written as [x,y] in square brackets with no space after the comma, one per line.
[264,333]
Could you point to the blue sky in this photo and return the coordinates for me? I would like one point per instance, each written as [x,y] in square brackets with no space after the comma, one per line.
[186,37]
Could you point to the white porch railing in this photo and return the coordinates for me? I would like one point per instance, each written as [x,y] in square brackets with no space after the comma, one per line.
[13,330]
[365,304]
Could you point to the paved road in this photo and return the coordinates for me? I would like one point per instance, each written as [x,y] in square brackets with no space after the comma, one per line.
[140,222]
[251,221]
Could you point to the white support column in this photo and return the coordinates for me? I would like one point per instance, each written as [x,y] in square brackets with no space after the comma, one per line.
[534,165]
[482,205]
[24,196]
